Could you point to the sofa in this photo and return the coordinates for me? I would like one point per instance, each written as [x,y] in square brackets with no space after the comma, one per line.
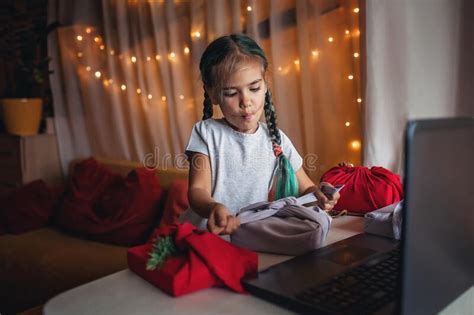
[47,260]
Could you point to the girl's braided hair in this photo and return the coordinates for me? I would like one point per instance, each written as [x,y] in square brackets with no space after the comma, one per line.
[218,62]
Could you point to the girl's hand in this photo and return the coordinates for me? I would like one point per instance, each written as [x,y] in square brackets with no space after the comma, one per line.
[326,201]
[221,221]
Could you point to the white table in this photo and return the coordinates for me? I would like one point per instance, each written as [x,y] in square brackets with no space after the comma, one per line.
[126,293]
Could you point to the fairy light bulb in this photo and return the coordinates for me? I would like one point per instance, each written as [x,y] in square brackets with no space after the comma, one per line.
[96,39]
[181,97]
[359,100]
[111,81]
[148,58]
[123,87]
[172,55]
[150,96]
[249,8]
[112,52]
[133,59]
[157,57]
[163,98]
[297,62]
[355,145]
[315,53]
[139,91]
[356,10]
[350,77]
[80,54]
[102,47]
[186,50]
[88,68]
[280,68]
[356,55]
[196,34]
[88,30]
[79,37]
[347,124]
[347,32]
[330,39]
[97,74]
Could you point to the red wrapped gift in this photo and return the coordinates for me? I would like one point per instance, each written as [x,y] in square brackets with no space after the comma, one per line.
[203,260]
[365,189]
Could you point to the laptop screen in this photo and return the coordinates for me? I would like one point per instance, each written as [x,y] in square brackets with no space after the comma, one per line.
[438,242]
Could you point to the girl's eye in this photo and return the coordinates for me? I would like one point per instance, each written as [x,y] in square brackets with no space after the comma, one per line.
[230,94]
[255,89]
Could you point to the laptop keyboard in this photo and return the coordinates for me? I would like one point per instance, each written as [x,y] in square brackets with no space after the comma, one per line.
[361,290]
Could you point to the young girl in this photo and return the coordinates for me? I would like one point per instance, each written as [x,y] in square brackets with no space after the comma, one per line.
[233,160]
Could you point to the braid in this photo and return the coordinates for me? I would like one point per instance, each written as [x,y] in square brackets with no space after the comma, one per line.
[270,117]
[286,182]
[207,110]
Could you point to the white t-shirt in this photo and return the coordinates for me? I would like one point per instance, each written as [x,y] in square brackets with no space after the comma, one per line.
[242,164]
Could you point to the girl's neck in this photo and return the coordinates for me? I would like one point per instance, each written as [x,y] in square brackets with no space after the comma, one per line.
[251,131]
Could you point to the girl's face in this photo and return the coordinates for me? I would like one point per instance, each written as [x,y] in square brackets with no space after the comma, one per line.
[243,98]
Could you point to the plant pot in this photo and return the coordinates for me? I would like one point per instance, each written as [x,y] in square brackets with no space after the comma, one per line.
[22,116]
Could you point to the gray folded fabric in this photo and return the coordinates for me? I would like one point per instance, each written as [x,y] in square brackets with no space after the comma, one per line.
[385,221]
[283,227]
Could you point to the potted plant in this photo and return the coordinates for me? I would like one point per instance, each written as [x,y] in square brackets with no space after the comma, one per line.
[25,54]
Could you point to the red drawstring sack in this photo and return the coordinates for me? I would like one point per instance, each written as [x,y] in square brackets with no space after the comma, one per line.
[201,260]
[365,189]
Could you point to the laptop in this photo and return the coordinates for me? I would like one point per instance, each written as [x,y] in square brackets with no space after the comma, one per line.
[432,264]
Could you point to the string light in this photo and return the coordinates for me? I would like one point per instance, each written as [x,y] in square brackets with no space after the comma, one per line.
[280,68]
[359,100]
[112,52]
[356,55]
[88,68]
[163,98]
[186,50]
[249,8]
[79,37]
[330,39]
[97,74]
[350,77]
[96,39]
[347,124]
[355,145]
[356,10]
[123,87]
[315,53]
[88,30]
[148,58]
[347,32]
[102,47]
[133,59]
[157,57]
[196,34]
[181,97]
[150,96]
[80,54]
[172,55]
[111,81]
[297,62]
[139,91]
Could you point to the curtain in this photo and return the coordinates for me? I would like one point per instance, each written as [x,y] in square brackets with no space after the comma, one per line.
[126,83]
[419,65]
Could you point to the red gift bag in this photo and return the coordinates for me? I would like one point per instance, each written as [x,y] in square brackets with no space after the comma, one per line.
[204,260]
[365,189]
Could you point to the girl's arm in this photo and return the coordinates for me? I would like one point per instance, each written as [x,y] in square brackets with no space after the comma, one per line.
[306,185]
[199,193]
[220,219]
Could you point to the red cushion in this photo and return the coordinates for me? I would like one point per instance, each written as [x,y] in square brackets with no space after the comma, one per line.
[106,207]
[27,208]
[365,189]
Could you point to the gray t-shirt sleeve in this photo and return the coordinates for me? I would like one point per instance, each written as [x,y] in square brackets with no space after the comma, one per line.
[290,151]
[197,140]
